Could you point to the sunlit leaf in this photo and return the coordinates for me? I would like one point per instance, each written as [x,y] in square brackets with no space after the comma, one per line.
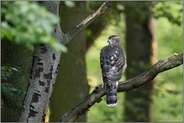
[29,24]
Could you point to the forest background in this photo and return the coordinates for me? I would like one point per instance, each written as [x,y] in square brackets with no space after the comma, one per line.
[79,71]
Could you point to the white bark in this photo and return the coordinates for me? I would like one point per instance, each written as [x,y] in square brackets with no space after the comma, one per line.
[43,75]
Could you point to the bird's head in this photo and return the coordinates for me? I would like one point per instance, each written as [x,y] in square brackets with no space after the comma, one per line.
[113,39]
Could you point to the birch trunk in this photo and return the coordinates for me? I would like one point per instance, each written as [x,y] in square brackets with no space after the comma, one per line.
[43,76]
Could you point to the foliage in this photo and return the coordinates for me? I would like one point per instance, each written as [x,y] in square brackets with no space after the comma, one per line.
[171,10]
[28,23]
[7,71]
[69,4]
[9,94]
[168,88]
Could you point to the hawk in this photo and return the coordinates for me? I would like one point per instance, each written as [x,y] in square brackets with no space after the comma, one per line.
[113,64]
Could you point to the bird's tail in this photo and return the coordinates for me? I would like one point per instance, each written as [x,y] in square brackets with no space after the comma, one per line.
[111,93]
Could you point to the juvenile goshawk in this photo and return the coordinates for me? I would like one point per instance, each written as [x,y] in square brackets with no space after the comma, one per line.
[113,64]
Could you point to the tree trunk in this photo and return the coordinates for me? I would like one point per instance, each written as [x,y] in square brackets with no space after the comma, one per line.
[20,57]
[71,84]
[43,75]
[141,54]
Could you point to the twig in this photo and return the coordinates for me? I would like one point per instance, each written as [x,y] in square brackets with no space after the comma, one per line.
[98,92]
[69,35]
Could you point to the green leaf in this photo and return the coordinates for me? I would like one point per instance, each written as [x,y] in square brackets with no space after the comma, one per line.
[69,3]
[30,24]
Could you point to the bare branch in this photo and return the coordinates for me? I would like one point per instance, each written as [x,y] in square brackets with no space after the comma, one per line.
[98,92]
[88,20]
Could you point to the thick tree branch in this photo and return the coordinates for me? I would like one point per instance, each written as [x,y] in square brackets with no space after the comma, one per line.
[98,92]
[69,35]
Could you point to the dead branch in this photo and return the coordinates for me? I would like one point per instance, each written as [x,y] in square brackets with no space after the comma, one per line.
[98,92]
[69,35]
